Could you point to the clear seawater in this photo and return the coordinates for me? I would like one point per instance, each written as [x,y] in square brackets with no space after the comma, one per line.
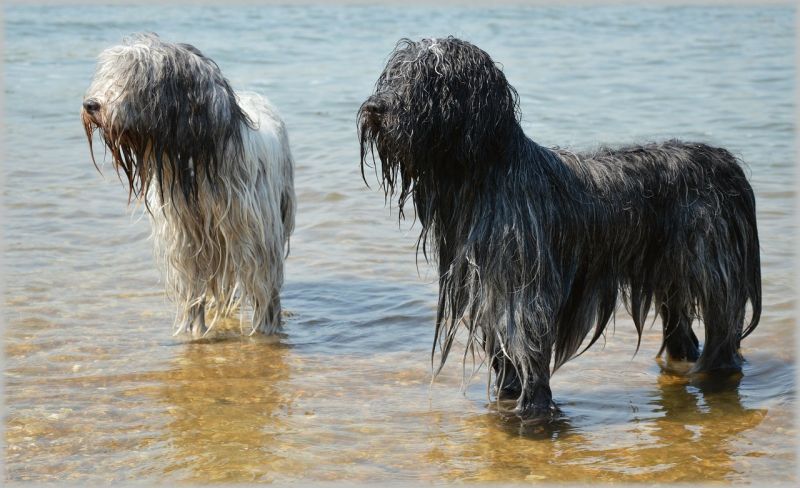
[98,390]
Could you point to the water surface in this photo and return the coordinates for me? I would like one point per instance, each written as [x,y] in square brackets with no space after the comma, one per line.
[98,390]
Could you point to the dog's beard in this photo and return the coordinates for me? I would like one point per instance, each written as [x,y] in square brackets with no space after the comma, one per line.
[127,157]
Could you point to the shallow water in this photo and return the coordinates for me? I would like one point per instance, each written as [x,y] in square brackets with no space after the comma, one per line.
[98,390]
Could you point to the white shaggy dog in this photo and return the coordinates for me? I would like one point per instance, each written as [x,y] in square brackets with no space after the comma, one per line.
[213,168]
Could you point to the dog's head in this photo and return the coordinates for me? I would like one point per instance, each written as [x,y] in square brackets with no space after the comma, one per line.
[442,111]
[164,111]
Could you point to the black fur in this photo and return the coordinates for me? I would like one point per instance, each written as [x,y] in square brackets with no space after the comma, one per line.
[535,245]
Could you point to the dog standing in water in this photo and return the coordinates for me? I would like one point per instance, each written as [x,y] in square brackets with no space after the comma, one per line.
[213,167]
[536,245]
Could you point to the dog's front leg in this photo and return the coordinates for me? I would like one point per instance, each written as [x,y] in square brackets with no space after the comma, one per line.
[536,399]
[196,320]
[507,382]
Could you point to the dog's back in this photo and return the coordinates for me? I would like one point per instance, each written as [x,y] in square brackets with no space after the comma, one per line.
[674,224]
[270,137]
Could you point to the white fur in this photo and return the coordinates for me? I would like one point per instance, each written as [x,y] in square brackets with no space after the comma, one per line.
[229,251]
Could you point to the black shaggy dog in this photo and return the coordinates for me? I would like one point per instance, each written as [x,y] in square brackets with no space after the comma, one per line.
[535,245]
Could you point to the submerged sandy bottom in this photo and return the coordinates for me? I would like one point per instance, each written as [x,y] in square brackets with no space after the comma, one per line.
[97,389]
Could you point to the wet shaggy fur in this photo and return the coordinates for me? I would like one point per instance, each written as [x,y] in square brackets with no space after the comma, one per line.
[536,245]
[213,168]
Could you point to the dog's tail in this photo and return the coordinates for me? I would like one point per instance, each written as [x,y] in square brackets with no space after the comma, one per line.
[738,228]
[752,260]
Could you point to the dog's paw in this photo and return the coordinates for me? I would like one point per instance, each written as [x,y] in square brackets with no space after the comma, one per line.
[538,411]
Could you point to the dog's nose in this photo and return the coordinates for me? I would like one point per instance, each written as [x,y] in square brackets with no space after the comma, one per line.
[374,106]
[91,105]
[372,111]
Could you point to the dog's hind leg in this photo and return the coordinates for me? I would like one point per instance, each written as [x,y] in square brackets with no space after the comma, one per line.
[267,313]
[723,321]
[679,340]
[722,301]
[274,309]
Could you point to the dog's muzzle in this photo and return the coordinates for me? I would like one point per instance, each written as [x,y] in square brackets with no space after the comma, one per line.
[91,111]
[372,111]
